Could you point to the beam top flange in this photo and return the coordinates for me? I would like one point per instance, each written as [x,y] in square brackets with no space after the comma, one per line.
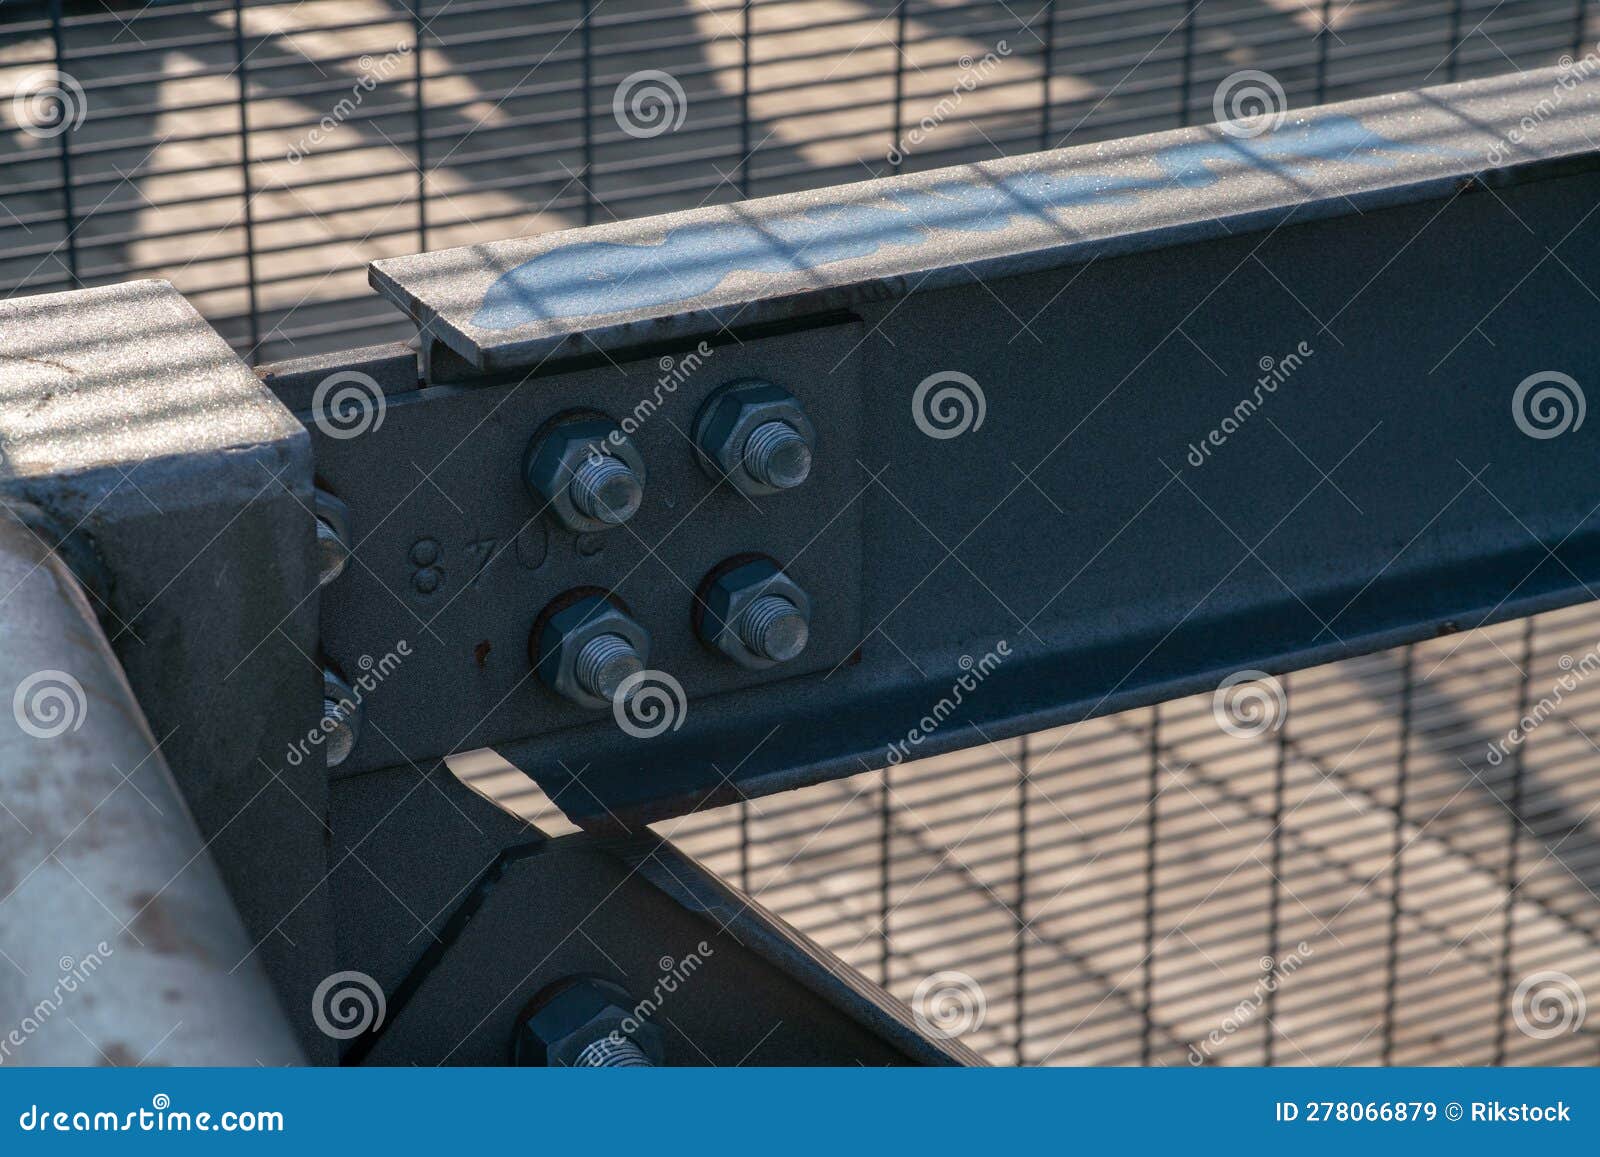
[513,304]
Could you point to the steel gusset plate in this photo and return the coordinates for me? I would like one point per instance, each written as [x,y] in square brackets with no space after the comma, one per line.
[510,913]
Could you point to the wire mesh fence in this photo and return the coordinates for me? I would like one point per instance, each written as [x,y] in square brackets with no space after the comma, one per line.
[1395,861]
[258,154]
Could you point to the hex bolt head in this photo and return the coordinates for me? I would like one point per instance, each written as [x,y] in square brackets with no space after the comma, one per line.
[756,436]
[754,613]
[585,644]
[586,473]
[341,718]
[333,536]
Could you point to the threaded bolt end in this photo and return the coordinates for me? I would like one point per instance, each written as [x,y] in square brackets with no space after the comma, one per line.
[604,662]
[340,732]
[776,454]
[333,553]
[774,628]
[612,1052]
[605,489]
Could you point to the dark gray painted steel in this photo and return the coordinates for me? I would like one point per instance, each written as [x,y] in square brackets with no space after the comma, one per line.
[488,913]
[551,910]
[1137,516]
[392,368]
[459,566]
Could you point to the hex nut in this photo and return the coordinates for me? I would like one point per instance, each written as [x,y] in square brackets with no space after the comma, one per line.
[333,536]
[730,592]
[562,635]
[575,1013]
[569,450]
[731,415]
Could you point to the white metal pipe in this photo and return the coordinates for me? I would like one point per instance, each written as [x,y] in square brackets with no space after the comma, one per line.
[119,943]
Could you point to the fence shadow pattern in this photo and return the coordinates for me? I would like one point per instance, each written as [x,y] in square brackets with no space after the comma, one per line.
[258,154]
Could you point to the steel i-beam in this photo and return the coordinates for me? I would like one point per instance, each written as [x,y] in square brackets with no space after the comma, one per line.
[1092,428]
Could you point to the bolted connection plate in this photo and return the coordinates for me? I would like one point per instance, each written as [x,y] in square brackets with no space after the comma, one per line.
[455,558]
